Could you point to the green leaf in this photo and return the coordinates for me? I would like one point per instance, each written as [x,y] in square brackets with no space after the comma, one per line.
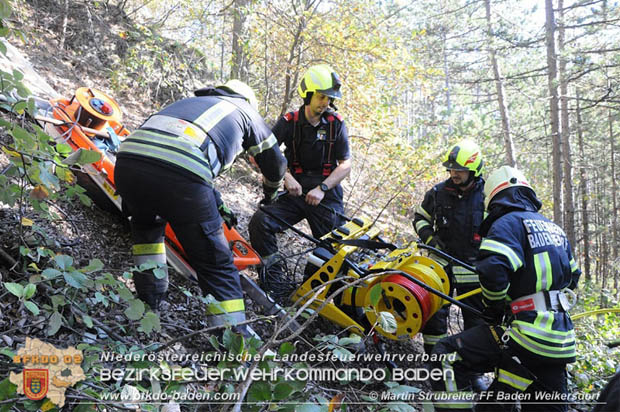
[282,391]
[64,262]
[93,266]
[7,388]
[387,322]
[15,288]
[82,157]
[214,342]
[125,293]
[55,323]
[351,340]
[88,321]
[50,273]
[160,273]
[20,107]
[7,352]
[23,138]
[259,391]
[343,354]
[375,295]
[85,407]
[29,290]
[58,300]
[237,344]
[63,148]
[99,297]
[135,309]
[150,322]
[32,307]
[399,389]
[286,348]
[75,279]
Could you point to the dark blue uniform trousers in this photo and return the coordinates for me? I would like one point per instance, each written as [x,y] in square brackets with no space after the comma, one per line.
[154,194]
[477,350]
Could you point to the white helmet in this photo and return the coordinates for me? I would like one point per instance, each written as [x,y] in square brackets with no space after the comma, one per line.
[239,87]
[500,179]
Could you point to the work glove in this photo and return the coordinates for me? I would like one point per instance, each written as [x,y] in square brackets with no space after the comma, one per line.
[229,217]
[270,195]
[494,312]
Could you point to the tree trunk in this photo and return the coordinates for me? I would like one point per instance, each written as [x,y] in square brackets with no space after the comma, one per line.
[584,195]
[569,206]
[554,112]
[614,190]
[499,86]
[447,81]
[239,69]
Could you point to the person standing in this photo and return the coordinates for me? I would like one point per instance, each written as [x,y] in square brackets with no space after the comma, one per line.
[449,219]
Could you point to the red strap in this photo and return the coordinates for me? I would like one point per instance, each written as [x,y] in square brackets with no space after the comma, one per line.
[292,116]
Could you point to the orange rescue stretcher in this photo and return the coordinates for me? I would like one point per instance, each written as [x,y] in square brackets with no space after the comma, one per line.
[92,120]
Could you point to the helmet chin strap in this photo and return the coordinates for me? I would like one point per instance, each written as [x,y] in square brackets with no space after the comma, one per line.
[468,181]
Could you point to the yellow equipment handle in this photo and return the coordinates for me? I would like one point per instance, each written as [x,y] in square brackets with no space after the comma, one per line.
[467,294]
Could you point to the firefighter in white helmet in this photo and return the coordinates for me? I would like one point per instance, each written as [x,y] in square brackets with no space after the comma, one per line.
[527,271]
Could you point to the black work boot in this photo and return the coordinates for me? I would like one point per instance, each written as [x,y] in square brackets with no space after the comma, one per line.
[273,279]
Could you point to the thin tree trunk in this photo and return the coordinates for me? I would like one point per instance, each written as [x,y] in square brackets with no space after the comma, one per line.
[64,26]
[446,81]
[499,86]
[239,69]
[584,195]
[294,55]
[569,206]
[614,191]
[554,112]
[597,223]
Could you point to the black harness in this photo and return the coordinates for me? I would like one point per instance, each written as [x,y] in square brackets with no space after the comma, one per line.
[328,163]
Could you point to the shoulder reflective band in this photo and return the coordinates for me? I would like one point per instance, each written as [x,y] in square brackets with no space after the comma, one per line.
[175,150]
[176,127]
[500,248]
[214,115]
[423,212]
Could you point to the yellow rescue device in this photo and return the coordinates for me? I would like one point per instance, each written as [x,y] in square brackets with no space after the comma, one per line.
[385,283]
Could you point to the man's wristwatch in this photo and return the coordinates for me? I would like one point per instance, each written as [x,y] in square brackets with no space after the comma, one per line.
[323,187]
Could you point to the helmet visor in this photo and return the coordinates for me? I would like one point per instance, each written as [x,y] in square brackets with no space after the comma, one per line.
[334,91]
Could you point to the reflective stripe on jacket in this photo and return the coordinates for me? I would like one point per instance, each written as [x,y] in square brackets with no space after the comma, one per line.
[219,128]
[524,253]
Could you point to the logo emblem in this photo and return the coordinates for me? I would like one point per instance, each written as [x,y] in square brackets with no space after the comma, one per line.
[36,383]
[471,159]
